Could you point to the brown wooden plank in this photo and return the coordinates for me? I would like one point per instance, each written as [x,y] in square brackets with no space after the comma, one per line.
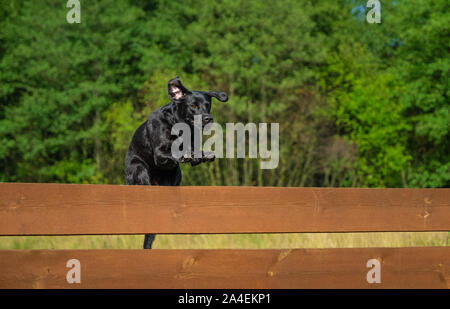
[427,267]
[51,209]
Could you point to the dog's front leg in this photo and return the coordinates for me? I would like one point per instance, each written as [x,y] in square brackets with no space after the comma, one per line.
[148,240]
[209,156]
[165,160]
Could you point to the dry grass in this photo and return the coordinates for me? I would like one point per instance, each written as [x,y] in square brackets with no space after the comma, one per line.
[228,241]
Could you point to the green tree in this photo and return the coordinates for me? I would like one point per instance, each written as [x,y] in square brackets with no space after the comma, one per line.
[358,104]
[266,58]
[404,61]
[57,78]
[365,103]
[423,64]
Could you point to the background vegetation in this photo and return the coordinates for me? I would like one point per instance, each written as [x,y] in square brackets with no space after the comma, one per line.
[359,105]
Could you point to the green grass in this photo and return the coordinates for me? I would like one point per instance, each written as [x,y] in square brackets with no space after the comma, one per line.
[228,241]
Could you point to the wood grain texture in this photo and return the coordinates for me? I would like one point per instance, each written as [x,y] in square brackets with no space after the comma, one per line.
[64,209]
[180,269]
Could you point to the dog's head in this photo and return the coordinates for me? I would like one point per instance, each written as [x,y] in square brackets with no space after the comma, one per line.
[191,103]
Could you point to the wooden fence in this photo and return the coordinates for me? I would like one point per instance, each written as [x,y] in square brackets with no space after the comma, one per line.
[60,209]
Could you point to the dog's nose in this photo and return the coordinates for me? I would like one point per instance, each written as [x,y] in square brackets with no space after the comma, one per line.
[207,119]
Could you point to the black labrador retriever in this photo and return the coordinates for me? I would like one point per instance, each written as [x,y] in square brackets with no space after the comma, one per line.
[149,159]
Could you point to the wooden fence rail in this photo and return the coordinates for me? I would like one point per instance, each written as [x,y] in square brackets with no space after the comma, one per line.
[56,209]
[247,269]
[59,209]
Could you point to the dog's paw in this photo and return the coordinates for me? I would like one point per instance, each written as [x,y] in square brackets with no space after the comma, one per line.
[185,159]
[196,161]
[208,156]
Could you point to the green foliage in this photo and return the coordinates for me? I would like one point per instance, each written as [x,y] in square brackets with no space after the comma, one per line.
[56,80]
[366,107]
[266,58]
[424,66]
[358,104]
[404,76]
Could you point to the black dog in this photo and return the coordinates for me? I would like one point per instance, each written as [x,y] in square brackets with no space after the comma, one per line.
[149,160]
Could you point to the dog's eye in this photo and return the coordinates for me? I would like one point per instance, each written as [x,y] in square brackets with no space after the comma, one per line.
[195,106]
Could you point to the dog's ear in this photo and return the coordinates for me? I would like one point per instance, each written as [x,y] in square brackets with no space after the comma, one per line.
[176,90]
[221,96]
